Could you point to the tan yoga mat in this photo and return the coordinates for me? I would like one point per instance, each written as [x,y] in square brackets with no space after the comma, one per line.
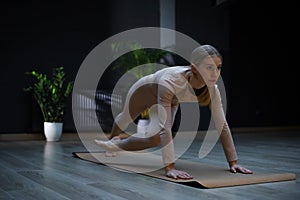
[205,175]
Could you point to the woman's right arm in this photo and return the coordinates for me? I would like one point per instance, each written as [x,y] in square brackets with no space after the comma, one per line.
[165,97]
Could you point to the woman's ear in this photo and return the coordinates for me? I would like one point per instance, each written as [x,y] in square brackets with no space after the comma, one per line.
[194,69]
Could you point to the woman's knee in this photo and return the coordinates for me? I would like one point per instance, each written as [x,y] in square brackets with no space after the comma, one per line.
[154,140]
[122,120]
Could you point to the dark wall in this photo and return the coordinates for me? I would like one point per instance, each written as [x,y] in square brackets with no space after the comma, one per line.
[263,79]
[259,68]
[43,34]
[208,23]
[257,40]
[130,14]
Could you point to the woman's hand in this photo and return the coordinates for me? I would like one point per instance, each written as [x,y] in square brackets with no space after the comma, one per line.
[234,168]
[176,174]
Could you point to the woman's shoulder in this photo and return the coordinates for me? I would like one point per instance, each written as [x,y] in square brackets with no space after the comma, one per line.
[216,96]
[172,72]
[178,69]
[172,77]
[214,91]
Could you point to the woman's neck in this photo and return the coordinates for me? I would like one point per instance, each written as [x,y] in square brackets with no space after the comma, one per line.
[196,81]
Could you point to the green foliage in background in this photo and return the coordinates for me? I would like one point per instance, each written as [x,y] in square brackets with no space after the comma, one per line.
[136,56]
[138,61]
[51,93]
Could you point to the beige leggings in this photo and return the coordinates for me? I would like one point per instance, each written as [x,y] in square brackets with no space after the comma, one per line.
[142,95]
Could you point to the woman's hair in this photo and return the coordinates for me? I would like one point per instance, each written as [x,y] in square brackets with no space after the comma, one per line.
[201,52]
[198,55]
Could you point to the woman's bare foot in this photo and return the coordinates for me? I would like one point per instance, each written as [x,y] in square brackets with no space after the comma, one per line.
[110,153]
[110,146]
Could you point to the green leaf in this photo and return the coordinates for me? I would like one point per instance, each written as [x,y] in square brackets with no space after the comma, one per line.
[51,93]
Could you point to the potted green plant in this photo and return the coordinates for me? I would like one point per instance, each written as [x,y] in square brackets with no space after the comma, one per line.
[51,95]
[143,121]
[139,62]
[137,56]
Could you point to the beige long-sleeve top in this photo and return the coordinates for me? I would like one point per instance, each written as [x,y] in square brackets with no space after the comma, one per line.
[174,88]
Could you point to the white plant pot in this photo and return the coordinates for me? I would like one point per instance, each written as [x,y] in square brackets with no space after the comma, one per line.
[53,131]
[142,126]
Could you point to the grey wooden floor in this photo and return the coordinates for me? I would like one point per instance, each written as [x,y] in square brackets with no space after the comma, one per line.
[36,169]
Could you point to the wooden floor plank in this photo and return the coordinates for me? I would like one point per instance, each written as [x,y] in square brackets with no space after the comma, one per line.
[15,186]
[16,164]
[36,169]
[5,195]
[66,186]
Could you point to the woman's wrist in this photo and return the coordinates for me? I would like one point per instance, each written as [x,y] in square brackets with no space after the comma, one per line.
[169,167]
[233,162]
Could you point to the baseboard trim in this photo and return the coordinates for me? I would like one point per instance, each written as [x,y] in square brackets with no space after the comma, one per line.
[33,136]
[75,136]
[264,129]
[41,136]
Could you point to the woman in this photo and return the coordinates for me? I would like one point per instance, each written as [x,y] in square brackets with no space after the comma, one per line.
[168,87]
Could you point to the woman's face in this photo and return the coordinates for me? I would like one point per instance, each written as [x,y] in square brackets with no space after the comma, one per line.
[210,70]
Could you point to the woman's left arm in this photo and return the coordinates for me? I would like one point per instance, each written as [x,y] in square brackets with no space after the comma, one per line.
[225,133]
